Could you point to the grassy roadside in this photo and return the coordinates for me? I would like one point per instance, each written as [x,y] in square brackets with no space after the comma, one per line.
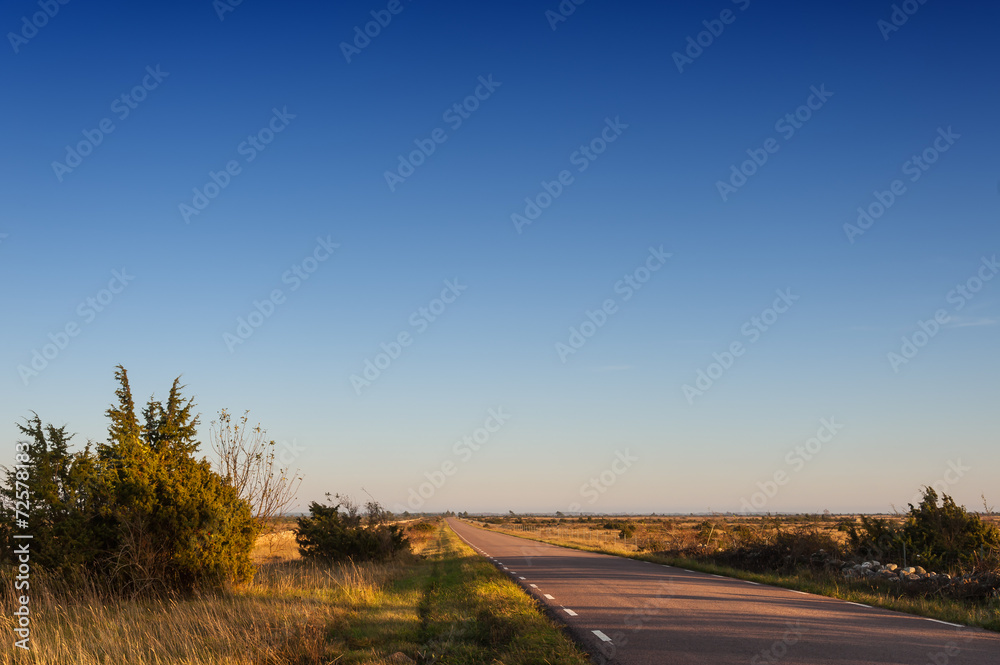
[467,612]
[877,594]
[443,604]
[286,615]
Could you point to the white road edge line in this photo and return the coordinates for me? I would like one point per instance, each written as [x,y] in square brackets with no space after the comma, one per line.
[569,612]
[601,635]
[533,586]
[550,597]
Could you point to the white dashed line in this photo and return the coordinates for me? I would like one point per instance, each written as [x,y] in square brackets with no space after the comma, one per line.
[601,635]
[800,592]
[714,575]
[533,586]
[520,578]
[956,625]
[753,583]
[550,597]
[859,604]
[569,612]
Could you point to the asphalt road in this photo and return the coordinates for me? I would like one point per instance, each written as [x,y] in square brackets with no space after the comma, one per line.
[633,613]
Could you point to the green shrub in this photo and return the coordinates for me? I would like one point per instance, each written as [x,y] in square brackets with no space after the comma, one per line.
[58,505]
[946,534]
[937,534]
[140,512]
[424,526]
[627,530]
[330,535]
[875,538]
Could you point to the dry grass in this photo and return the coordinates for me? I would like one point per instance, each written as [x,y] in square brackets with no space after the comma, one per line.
[286,615]
[443,599]
[275,547]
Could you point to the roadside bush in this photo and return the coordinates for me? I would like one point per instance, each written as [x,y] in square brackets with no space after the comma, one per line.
[874,538]
[329,534]
[139,512]
[947,535]
[937,534]
[776,549]
[625,528]
[55,495]
[167,518]
[423,526]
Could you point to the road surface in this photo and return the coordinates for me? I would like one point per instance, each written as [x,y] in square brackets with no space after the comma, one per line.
[631,612]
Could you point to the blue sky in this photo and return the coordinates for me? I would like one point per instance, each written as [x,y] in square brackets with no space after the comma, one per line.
[209,89]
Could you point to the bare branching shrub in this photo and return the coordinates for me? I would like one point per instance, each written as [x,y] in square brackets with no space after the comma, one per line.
[248,460]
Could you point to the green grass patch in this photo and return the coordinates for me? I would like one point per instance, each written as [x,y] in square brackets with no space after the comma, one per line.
[453,607]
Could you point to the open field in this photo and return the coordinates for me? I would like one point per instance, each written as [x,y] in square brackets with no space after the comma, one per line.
[441,604]
[706,543]
[690,532]
[673,532]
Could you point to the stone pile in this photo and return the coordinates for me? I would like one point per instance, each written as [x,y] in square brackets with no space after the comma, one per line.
[978,585]
[890,572]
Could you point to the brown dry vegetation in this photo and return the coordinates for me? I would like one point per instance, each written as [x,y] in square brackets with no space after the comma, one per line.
[285,615]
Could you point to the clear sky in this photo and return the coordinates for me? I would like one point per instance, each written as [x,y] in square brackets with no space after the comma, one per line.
[603,203]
